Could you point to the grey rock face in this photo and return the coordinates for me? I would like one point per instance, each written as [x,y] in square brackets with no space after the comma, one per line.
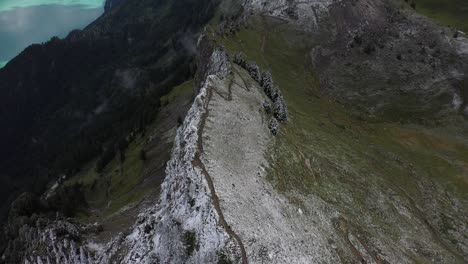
[390,63]
[211,60]
[50,241]
[184,227]
[309,14]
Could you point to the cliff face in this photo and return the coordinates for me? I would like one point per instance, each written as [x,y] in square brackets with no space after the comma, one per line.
[187,228]
[276,162]
[310,14]
[187,224]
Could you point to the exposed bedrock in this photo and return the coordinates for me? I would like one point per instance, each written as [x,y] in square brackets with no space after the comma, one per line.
[384,62]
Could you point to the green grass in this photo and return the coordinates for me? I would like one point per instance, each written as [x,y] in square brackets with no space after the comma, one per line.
[223,259]
[347,162]
[453,13]
[190,242]
[120,184]
[112,189]
[184,89]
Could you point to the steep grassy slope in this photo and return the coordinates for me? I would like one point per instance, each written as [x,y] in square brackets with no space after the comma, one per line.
[406,183]
[124,182]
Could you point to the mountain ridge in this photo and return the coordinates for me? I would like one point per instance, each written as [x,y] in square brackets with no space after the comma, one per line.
[339,181]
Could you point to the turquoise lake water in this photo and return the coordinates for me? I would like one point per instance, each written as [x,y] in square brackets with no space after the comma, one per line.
[24,22]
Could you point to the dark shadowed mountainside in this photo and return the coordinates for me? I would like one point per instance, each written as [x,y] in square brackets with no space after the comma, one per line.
[68,100]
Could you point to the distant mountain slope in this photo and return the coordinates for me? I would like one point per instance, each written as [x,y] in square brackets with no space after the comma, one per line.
[64,102]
